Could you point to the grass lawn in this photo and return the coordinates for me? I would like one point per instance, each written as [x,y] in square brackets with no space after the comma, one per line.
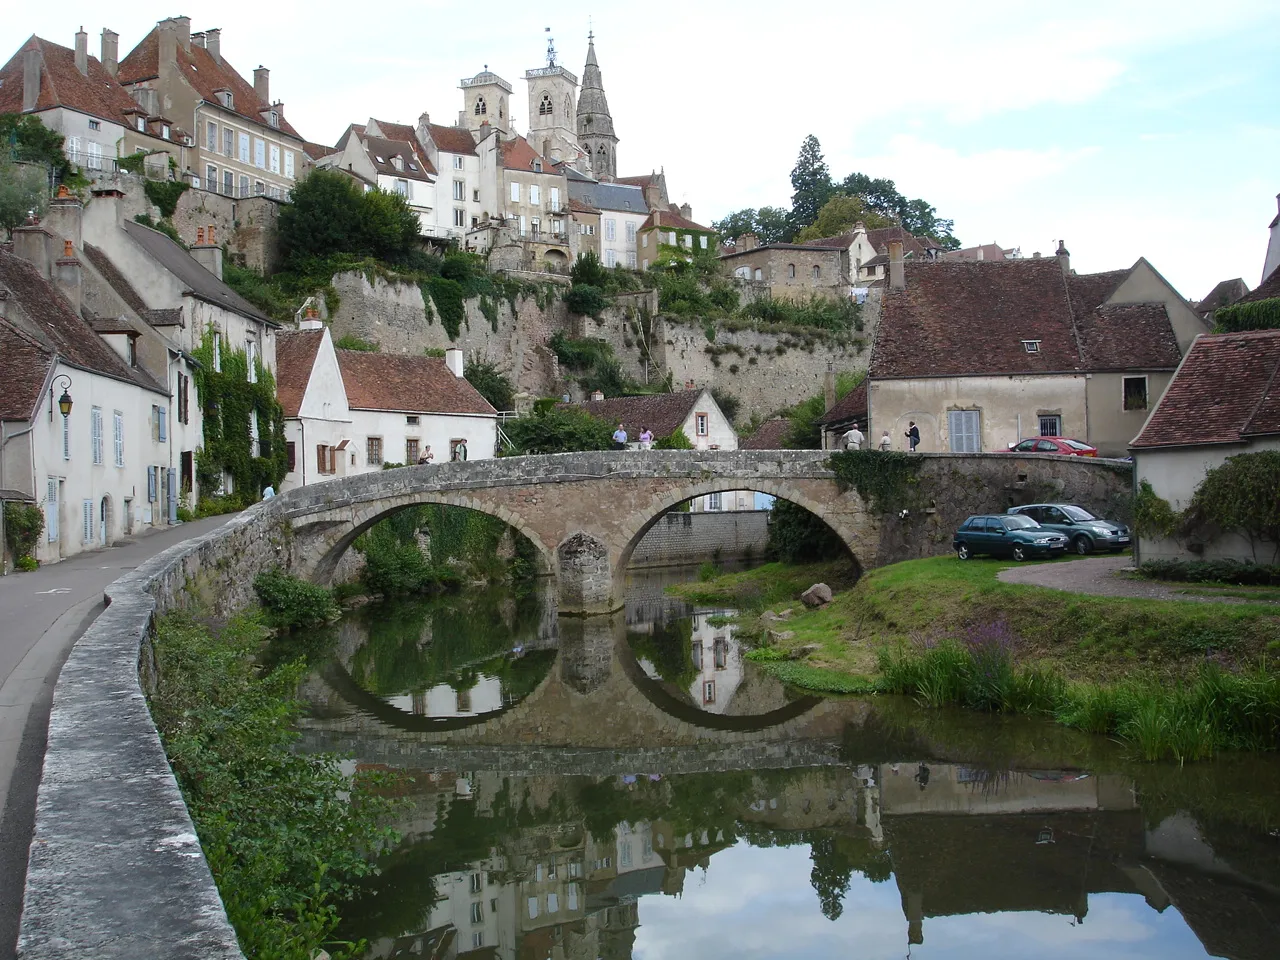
[915,603]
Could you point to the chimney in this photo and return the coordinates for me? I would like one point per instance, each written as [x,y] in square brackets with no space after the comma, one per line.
[82,52]
[65,218]
[110,52]
[686,211]
[453,360]
[206,252]
[262,83]
[213,43]
[67,276]
[31,243]
[657,217]
[310,322]
[197,40]
[32,67]
[597,395]
[897,273]
[748,241]
[184,32]
[167,30]
[829,387]
[1064,258]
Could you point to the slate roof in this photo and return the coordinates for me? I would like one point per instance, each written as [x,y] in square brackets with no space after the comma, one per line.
[414,166]
[663,413]
[1226,390]
[610,196]
[195,278]
[853,405]
[675,221]
[295,357]
[770,435]
[1267,290]
[384,381]
[205,75]
[62,85]
[57,329]
[963,318]
[453,139]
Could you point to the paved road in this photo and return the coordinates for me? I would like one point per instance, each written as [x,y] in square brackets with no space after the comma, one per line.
[1105,577]
[41,616]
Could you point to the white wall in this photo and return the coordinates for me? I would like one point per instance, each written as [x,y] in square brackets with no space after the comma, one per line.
[621,247]
[324,419]
[445,204]
[480,432]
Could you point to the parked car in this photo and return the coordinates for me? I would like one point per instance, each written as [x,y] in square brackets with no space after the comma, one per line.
[1085,531]
[1003,535]
[1064,446]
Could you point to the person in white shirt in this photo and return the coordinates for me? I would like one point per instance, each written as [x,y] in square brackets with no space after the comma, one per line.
[885,443]
[852,440]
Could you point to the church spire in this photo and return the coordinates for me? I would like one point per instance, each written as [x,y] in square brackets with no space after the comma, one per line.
[595,124]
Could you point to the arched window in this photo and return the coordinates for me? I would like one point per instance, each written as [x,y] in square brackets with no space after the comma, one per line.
[759,274]
[791,271]
[502,109]
[568,107]
[817,271]
[545,109]
[481,109]
[601,151]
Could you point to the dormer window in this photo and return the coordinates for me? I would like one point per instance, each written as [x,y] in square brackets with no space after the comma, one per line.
[164,130]
[142,124]
[1031,346]
[274,118]
[413,166]
[537,166]
[378,158]
[227,99]
[397,162]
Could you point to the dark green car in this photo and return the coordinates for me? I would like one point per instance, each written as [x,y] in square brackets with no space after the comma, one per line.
[1001,535]
[1085,532]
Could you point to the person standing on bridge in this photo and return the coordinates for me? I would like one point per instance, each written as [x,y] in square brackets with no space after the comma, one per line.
[913,435]
[646,438]
[620,438]
[852,440]
[885,443]
[427,456]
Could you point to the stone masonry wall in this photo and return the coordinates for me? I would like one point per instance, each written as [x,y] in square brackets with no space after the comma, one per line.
[682,538]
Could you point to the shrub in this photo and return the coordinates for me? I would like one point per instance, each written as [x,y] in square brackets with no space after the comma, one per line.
[1240,495]
[585,300]
[450,301]
[1153,516]
[558,430]
[164,194]
[290,603]
[27,564]
[589,271]
[352,342]
[1213,571]
[677,439]
[798,536]
[490,384]
[1254,315]
[23,524]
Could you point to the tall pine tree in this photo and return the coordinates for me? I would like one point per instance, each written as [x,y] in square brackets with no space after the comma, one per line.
[811,181]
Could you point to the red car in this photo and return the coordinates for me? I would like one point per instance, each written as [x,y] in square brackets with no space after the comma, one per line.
[1062,446]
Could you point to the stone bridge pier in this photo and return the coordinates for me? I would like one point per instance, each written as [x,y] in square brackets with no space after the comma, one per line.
[586,512]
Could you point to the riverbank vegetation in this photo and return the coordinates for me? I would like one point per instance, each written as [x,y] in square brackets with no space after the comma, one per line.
[287,835]
[1177,679]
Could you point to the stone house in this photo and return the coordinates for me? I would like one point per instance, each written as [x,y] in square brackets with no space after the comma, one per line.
[983,251]
[586,220]
[1223,294]
[791,271]
[524,202]
[674,233]
[842,415]
[79,97]
[239,142]
[865,257]
[983,353]
[1223,401]
[81,432]
[349,412]
[623,212]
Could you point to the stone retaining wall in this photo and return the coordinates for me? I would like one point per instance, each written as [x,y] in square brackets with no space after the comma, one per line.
[682,538]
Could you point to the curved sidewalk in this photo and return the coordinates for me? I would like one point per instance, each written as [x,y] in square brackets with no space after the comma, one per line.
[1105,577]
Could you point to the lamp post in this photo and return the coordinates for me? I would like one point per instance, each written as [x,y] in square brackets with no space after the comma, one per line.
[64,401]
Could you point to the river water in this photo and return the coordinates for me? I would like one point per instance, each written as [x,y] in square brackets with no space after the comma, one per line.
[630,786]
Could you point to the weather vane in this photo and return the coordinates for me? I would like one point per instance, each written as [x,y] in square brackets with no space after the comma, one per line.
[551,49]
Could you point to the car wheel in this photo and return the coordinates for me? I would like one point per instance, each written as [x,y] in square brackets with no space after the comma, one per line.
[963,552]
[1082,545]
[1019,552]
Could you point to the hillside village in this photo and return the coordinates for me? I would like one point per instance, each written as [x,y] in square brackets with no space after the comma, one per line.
[164,352]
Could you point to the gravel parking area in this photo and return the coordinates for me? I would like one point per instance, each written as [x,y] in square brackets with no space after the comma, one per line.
[1105,577]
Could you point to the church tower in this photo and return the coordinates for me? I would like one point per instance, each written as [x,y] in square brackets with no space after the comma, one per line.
[485,99]
[595,125]
[553,91]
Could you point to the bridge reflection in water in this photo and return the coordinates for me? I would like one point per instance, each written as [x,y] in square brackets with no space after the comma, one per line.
[570,794]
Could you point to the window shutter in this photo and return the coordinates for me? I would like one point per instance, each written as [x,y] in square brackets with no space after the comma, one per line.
[51,510]
[86,518]
[151,484]
[95,433]
[320,458]
[117,425]
[163,414]
[965,429]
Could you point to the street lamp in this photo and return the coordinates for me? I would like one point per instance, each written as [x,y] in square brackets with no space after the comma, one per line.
[64,401]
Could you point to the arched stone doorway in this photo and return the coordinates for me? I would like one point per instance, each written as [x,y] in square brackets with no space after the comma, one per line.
[106,520]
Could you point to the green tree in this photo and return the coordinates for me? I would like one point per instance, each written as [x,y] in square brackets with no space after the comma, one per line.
[24,189]
[1240,495]
[30,140]
[806,433]
[921,219]
[677,439]
[879,194]
[558,430]
[588,269]
[727,403]
[838,215]
[491,384]
[323,217]
[811,184]
[388,227]
[798,536]
[769,224]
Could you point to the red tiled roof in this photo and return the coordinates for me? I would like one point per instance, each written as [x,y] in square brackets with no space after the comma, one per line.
[663,413]
[1088,291]
[644,181]
[676,221]
[852,405]
[1224,293]
[62,85]
[1227,389]
[1128,336]
[771,435]
[453,139]
[990,251]
[24,367]
[519,155]
[383,381]
[842,242]
[381,152]
[205,75]
[1267,290]
[880,237]
[317,150]
[577,206]
[295,356]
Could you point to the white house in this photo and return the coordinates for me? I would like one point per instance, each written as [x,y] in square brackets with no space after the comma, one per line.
[349,412]
[1222,401]
[717,658]
[623,212]
[81,432]
[395,166]
[452,151]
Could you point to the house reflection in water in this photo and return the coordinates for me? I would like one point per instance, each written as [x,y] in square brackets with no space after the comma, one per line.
[443,700]
[717,659]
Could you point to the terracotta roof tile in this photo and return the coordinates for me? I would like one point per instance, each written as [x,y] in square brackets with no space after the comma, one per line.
[518,154]
[879,239]
[383,381]
[24,367]
[1129,336]
[317,150]
[989,251]
[1227,389]
[453,139]
[1224,293]
[414,166]
[1267,290]
[295,356]
[851,406]
[771,435]
[205,75]
[662,413]
[578,206]
[675,221]
[644,181]
[62,85]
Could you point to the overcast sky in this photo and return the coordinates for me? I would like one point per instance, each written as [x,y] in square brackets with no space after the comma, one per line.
[1129,128]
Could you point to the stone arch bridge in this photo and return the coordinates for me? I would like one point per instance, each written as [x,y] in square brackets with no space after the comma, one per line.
[585,512]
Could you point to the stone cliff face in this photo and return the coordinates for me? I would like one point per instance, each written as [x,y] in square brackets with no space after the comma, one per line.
[766,370]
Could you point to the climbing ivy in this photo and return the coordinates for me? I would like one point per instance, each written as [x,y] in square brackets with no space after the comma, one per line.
[1154,516]
[227,399]
[886,479]
[165,193]
[23,524]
